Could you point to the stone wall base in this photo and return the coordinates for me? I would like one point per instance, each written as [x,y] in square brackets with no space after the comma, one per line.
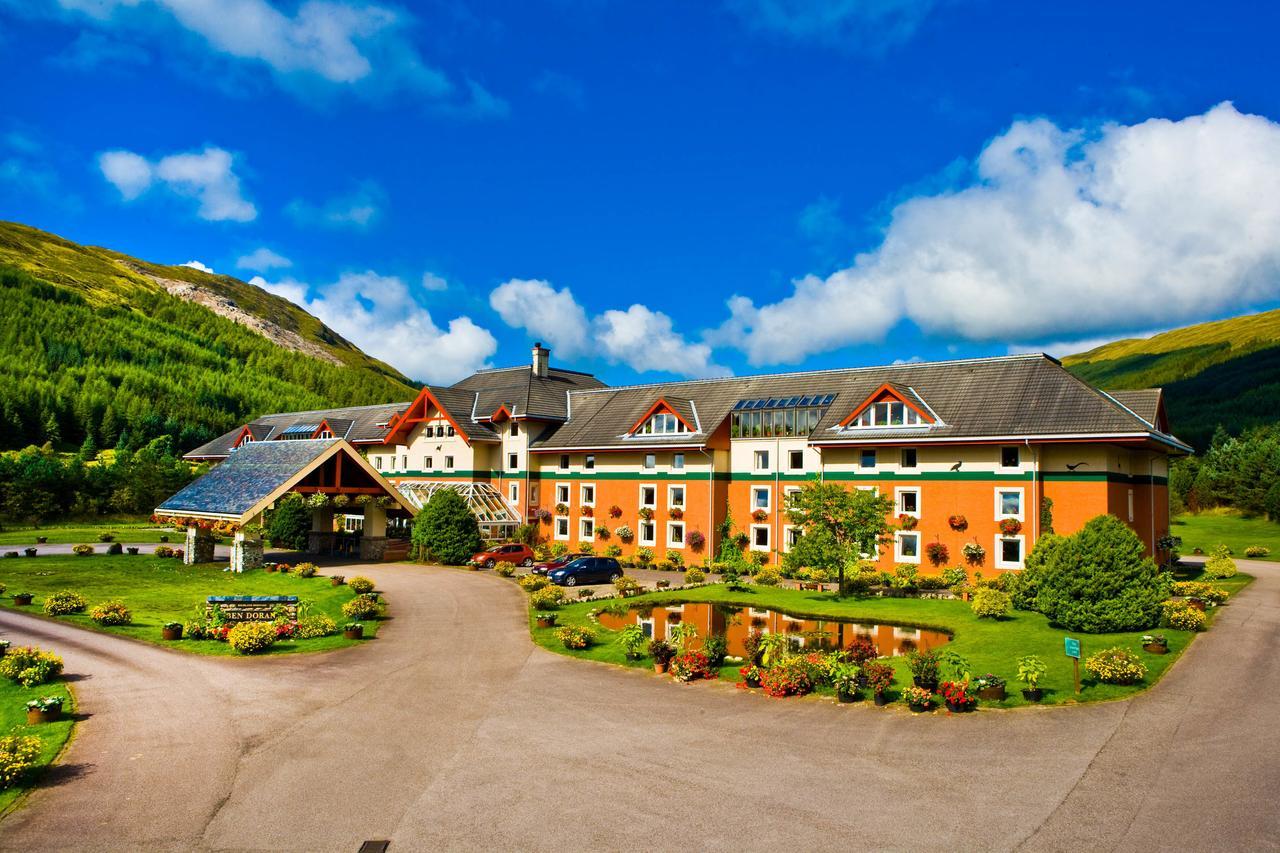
[320,542]
[199,546]
[371,547]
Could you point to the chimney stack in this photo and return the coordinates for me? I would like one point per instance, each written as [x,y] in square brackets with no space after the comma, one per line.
[541,360]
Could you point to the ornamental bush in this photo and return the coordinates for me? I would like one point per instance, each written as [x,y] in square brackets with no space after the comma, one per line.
[18,754]
[1255,552]
[767,577]
[249,638]
[111,613]
[364,606]
[991,603]
[1220,565]
[1210,593]
[306,570]
[311,627]
[505,569]
[575,637]
[1026,583]
[695,576]
[82,550]
[546,598]
[691,666]
[530,583]
[360,585]
[29,666]
[1183,617]
[64,602]
[163,551]
[446,530]
[1116,666]
[289,524]
[1099,580]
[791,676]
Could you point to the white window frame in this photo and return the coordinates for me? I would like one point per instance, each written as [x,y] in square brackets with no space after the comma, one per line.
[513,492]
[1000,562]
[448,463]
[589,462]
[898,556]
[768,535]
[640,495]
[652,539]
[791,455]
[787,493]
[1022,503]
[787,530]
[898,492]
[671,542]
[671,496]
[1000,466]
[677,461]
[582,494]
[903,469]
[768,498]
[586,529]
[428,464]
[562,493]
[760,460]
[513,461]
[561,537]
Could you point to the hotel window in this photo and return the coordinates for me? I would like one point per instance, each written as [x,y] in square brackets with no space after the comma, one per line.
[889,414]
[762,460]
[564,461]
[906,547]
[675,496]
[513,492]
[426,463]
[795,460]
[759,497]
[790,536]
[662,424]
[649,496]
[908,457]
[760,537]
[908,501]
[451,432]
[562,493]
[648,533]
[650,461]
[513,461]
[562,527]
[589,462]
[677,461]
[448,463]
[789,494]
[404,462]
[377,463]
[1010,457]
[1009,503]
[587,529]
[675,534]
[588,495]
[1009,551]
[868,459]
[515,429]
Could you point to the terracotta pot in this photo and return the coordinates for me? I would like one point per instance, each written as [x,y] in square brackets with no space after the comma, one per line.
[992,694]
[269,568]
[171,634]
[1197,603]
[546,623]
[881,700]
[35,716]
[335,581]
[353,633]
[22,600]
[1033,695]
[1156,648]
[660,668]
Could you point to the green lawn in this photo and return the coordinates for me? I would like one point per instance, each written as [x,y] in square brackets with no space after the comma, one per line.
[164,590]
[989,646]
[13,721]
[1207,530]
[77,533]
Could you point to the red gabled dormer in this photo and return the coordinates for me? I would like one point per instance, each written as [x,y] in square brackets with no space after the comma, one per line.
[890,406]
[419,412]
[665,410]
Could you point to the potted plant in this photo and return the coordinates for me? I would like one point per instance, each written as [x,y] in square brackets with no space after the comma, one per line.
[918,698]
[924,669]
[990,687]
[633,641]
[661,584]
[546,620]
[164,538]
[337,580]
[1156,644]
[46,709]
[353,631]
[132,550]
[1010,526]
[30,552]
[844,678]
[879,678]
[750,675]
[662,652]
[1030,670]
[171,631]
[974,553]
[4,647]
[958,696]
[938,552]
[22,599]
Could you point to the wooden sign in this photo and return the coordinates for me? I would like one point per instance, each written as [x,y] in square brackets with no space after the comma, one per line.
[1073,652]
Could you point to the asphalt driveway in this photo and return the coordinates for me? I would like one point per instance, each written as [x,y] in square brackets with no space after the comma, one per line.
[453,731]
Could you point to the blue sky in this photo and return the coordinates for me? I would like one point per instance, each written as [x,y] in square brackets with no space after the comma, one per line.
[667,189]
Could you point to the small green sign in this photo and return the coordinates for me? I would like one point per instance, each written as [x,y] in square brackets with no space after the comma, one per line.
[1073,647]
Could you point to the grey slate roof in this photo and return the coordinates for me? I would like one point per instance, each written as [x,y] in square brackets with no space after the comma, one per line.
[1145,402]
[995,397]
[524,394]
[362,425]
[250,474]
[459,403]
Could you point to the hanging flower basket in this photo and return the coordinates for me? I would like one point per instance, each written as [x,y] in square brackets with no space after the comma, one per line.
[760,515]
[341,501]
[675,513]
[319,500]
[973,552]
[562,509]
[697,540]
[615,511]
[624,533]
[542,514]
[646,513]
[938,553]
[1010,526]
[958,522]
[588,512]
[908,522]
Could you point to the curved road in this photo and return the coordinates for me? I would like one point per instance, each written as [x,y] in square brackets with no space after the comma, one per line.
[453,731]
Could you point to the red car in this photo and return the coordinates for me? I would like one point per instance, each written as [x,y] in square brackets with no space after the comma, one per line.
[519,555]
[555,563]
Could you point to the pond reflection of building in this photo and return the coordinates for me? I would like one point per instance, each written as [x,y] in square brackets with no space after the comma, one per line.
[736,623]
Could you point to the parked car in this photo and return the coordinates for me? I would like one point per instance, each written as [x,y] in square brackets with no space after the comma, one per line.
[586,570]
[555,563]
[519,555]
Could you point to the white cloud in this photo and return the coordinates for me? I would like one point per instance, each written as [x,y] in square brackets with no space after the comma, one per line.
[196,265]
[431,281]
[639,337]
[206,176]
[263,259]
[357,210]
[1060,234]
[382,315]
[866,24]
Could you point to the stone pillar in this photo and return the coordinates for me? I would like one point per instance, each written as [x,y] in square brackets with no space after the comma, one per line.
[199,546]
[246,551]
[373,539]
[320,539]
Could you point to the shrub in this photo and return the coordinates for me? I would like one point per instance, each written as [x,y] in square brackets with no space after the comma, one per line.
[924,666]
[1209,593]
[1220,565]
[546,598]
[955,576]
[289,524]
[624,585]
[446,529]
[115,549]
[691,666]
[106,537]
[1025,585]
[505,569]
[661,651]
[1255,552]
[249,638]
[879,675]
[29,666]
[163,551]
[18,754]
[990,603]
[64,602]
[360,585]
[530,583]
[1116,666]
[791,676]
[82,550]
[311,627]
[1030,670]
[695,576]
[767,577]
[111,613]
[1183,617]
[716,648]
[575,636]
[306,570]
[364,606]
[861,650]
[1099,580]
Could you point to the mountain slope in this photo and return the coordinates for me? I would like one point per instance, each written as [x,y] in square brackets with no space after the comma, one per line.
[96,343]
[1222,373]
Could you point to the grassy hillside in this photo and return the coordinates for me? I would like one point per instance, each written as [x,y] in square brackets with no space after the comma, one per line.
[90,344]
[1225,372]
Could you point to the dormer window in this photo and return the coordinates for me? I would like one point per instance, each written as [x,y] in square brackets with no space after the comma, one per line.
[666,417]
[887,415]
[891,407]
[662,424]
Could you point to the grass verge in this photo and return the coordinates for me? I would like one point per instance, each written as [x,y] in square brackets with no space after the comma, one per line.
[53,736]
[86,533]
[1207,530]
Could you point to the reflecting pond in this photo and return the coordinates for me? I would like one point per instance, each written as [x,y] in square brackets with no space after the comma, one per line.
[737,622]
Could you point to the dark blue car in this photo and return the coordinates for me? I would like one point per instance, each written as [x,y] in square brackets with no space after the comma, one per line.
[586,570]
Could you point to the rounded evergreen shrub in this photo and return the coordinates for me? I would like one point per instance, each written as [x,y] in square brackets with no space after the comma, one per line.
[695,576]
[111,613]
[1025,585]
[989,603]
[1099,580]
[446,529]
[1219,565]
[289,523]
[249,638]
[64,602]
[767,577]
